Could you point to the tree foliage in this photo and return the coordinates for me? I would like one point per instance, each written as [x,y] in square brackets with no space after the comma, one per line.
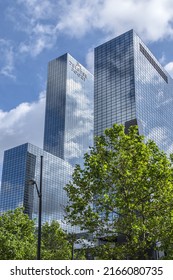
[17,236]
[124,194]
[55,243]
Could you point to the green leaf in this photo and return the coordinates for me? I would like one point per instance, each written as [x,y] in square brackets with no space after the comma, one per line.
[125,189]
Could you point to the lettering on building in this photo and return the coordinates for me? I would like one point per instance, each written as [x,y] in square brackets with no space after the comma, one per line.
[77,69]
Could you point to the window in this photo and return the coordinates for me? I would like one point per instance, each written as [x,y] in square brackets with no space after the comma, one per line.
[155,65]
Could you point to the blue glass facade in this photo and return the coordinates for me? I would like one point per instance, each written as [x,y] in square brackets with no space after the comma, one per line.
[69,109]
[131,85]
[67,136]
[114,84]
[21,164]
[153,97]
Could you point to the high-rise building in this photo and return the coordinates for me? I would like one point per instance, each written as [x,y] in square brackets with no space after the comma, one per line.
[131,87]
[69,109]
[22,164]
[67,136]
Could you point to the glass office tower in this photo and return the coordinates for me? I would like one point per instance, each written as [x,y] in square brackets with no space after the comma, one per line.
[69,109]
[67,136]
[131,87]
[21,164]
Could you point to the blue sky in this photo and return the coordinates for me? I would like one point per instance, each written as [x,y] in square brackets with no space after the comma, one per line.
[35,31]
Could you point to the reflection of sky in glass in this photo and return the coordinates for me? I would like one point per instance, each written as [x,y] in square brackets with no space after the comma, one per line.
[55,107]
[69,109]
[16,191]
[68,135]
[114,83]
[79,112]
[12,190]
[154,99]
[131,84]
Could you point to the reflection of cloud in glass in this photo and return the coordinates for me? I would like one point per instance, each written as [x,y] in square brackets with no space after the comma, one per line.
[73,150]
[163,138]
[154,99]
[82,109]
[16,191]
[153,78]
[56,174]
[79,118]
[24,164]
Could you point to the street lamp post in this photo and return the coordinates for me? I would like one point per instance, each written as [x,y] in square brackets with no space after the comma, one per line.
[39,192]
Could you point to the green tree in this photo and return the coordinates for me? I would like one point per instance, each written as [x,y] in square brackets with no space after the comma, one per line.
[55,243]
[124,195]
[17,236]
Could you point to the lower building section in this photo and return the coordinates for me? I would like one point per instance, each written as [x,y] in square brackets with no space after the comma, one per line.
[22,164]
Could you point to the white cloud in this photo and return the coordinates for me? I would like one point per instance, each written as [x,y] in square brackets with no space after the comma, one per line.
[6,59]
[36,45]
[90,60]
[76,17]
[151,19]
[38,9]
[169,68]
[36,19]
[44,20]
[162,59]
[22,124]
